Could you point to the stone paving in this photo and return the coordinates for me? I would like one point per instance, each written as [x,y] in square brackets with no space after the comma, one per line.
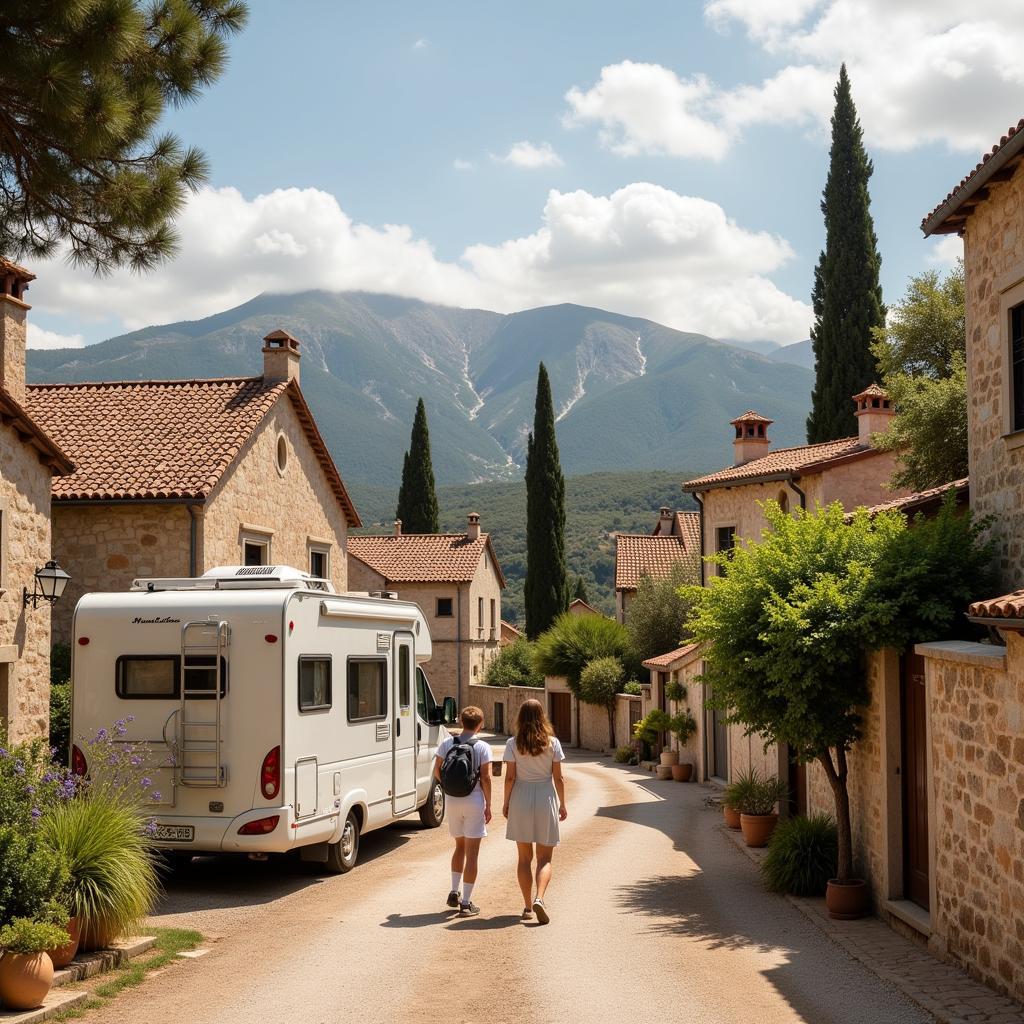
[941,988]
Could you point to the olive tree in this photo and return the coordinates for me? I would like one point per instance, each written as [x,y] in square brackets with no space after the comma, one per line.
[601,682]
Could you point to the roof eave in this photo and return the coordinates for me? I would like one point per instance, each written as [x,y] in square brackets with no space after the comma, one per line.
[741,481]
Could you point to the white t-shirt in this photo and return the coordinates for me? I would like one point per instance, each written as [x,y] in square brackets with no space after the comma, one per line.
[534,767]
[481,755]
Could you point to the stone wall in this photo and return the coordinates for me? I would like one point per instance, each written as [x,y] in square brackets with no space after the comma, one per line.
[24,547]
[976,704]
[296,508]
[994,266]
[106,546]
[624,707]
[511,697]
[13,337]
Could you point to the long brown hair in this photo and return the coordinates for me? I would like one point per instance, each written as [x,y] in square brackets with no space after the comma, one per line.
[533,730]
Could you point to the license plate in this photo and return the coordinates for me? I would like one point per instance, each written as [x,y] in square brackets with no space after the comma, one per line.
[175,833]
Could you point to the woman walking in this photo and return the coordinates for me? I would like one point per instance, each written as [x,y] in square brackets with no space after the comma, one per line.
[534,802]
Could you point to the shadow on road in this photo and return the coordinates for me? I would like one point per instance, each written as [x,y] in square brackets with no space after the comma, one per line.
[451,919]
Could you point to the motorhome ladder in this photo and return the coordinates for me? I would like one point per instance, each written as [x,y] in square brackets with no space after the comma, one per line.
[204,659]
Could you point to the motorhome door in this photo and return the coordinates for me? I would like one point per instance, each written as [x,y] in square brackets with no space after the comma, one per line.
[403,733]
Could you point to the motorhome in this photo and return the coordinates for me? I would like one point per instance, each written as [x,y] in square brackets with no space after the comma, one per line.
[276,715]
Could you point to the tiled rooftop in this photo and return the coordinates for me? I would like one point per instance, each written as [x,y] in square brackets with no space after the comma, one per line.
[641,554]
[32,433]
[666,660]
[781,461]
[911,502]
[1008,606]
[423,557]
[9,267]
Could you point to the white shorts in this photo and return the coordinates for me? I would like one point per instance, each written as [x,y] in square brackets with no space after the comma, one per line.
[465,816]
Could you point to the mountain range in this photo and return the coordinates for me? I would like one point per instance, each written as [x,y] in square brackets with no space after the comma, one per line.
[629,393]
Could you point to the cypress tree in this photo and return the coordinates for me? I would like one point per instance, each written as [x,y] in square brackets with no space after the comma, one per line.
[417,501]
[580,593]
[847,296]
[546,593]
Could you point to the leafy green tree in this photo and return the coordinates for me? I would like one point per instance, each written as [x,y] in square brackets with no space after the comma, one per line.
[546,591]
[83,84]
[789,625]
[656,617]
[601,682]
[417,499]
[575,640]
[847,297]
[922,358]
[513,666]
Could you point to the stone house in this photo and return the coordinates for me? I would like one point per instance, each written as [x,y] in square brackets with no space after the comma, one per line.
[29,460]
[174,477]
[675,538]
[684,666]
[509,634]
[457,581]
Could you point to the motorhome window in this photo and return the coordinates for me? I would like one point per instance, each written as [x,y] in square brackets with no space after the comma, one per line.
[201,676]
[367,689]
[314,684]
[444,607]
[147,677]
[404,687]
[425,702]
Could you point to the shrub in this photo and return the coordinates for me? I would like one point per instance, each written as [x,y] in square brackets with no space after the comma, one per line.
[632,687]
[600,684]
[657,614]
[24,935]
[682,726]
[576,640]
[647,729]
[30,873]
[112,876]
[60,664]
[763,795]
[739,789]
[802,855]
[513,666]
[675,690]
[624,754]
[60,721]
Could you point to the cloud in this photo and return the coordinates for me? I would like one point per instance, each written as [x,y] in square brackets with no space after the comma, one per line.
[923,71]
[40,337]
[642,250]
[526,154]
[421,44]
[463,165]
[945,251]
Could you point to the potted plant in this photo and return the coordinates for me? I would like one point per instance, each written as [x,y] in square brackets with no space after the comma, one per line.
[675,691]
[56,913]
[758,816]
[647,729]
[682,726]
[26,972]
[734,795]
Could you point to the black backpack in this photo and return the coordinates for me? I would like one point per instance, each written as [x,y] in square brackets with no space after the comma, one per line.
[459,773]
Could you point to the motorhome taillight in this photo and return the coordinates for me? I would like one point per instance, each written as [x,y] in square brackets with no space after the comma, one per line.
[79,766]
[270,774]
[260,827]
[83,641]
[270,638]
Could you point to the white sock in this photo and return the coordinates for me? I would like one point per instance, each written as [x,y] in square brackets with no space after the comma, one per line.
[467,892]
[456,880]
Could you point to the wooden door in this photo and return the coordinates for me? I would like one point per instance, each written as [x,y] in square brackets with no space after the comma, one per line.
[561,715]
[718,745]
[914,714]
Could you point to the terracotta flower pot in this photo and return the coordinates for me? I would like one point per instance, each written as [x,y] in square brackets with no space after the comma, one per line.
[96,935]
[846,901]
[758,828]
[731,815]
[25,979]
[669,758]
[63,955]
[682,772]
[663,771]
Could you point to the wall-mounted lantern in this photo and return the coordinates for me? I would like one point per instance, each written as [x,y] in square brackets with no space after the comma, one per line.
[48,585]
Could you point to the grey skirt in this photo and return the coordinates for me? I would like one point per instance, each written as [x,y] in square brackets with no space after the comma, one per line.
[533,813]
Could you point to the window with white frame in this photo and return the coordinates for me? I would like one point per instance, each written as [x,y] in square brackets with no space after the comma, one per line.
[320,561]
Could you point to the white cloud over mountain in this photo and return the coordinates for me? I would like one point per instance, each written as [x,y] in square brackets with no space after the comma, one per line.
[923,71]
[643,249]
[39,337]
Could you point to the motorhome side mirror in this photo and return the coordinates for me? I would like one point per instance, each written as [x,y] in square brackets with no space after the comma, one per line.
[435,716]
[451,710]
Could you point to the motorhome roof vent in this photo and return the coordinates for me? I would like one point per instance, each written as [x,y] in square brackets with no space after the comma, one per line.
[388,595]
[257,570]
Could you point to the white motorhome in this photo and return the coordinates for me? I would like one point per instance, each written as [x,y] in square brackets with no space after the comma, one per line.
[276,714]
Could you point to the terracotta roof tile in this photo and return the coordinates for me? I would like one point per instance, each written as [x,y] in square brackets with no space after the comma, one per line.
[911,502]
[423,557]
[162,439]
[872,391]
[1008,606]
[783,461]
[9,267]
[687,526]
[973,181]
[665,660]
[641,554]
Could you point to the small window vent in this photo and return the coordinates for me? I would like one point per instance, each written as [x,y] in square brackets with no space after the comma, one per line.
[257,570]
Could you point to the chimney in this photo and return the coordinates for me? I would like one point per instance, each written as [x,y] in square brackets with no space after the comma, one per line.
[14,281]
[398,527]
[473,529]
[751,437]
[280,356]
[874,412]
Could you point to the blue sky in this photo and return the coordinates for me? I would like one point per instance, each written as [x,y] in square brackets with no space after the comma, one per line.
[670,157]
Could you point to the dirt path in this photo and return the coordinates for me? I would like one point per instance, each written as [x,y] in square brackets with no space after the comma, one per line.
[654,915]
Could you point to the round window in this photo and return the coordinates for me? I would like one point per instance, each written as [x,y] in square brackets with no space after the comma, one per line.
[282,453]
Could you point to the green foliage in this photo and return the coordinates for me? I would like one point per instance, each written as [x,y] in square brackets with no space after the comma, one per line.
[762,794]
[112,876]
[675,690]
[921,354]
[683,725]
[654,722]
[84,84]
[601,682]
[847,297]
[802,856]
[546,590]
[574,641]
[632,687]
[579,592]
[60,664]
[624,754]
[30,873]
[23,935]
[60,721]
[656,618]
[513,665]
[739,789]
[417,500]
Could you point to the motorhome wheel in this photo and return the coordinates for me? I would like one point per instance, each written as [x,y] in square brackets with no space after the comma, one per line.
[432,812]
[341,856]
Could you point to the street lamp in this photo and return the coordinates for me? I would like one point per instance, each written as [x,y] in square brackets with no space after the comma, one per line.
[48,585]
